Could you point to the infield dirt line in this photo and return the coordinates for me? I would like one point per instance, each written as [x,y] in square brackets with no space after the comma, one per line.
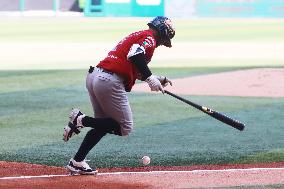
[152,172]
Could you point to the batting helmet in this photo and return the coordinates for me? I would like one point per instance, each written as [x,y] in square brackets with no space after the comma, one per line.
[165,29]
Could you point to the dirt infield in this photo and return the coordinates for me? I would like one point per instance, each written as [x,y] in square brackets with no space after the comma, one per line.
[23,175]
[260,82]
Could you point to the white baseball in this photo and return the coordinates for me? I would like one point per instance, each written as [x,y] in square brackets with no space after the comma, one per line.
[146,160]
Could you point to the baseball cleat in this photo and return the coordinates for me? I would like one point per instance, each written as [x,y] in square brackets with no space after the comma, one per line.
[80,168]
[73,127]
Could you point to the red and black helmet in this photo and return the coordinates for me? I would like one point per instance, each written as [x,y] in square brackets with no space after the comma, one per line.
[165,29]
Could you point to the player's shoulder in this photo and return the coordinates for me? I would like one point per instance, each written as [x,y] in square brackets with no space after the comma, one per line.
[143,34]
[143,37]
[147,37]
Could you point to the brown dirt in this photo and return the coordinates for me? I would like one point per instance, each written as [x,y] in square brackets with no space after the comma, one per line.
[141,177]
[260,82]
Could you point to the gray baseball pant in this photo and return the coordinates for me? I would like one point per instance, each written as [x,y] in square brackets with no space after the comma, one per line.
[109,98]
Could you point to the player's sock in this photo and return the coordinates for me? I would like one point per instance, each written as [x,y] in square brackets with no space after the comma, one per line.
[107,125]
[101,126]
[90,140]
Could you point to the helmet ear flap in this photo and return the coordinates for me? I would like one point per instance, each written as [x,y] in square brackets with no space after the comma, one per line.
[166,41]
[164,35]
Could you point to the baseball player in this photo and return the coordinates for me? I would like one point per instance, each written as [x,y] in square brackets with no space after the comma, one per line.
[107,84]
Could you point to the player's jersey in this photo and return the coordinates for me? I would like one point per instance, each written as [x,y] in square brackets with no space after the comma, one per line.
[117,61]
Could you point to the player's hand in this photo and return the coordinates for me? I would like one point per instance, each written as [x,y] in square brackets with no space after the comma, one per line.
[164,81]
[154,83]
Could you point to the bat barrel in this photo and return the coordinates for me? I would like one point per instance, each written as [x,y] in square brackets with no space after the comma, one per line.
[230,121]
[219,116]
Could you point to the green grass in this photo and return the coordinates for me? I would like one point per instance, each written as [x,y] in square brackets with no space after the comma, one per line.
[53,35]
[109,30]
[36,98]
[230,30]
[34,107]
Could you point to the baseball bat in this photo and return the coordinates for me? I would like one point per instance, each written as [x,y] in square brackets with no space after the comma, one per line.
[217,115]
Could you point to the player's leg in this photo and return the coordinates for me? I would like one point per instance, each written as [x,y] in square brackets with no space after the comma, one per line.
[112,98]
[101,121]
[103,95]
[75,125]
[110,103]
[78,163]
[102,125]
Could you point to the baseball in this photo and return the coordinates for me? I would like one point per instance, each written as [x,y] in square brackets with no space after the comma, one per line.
[145,160]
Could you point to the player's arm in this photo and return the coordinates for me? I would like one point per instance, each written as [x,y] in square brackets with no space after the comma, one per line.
[137,56]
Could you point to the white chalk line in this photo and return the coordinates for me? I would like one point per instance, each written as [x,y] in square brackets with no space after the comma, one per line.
[151,172]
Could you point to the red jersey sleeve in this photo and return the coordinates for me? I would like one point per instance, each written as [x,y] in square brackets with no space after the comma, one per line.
[149,44]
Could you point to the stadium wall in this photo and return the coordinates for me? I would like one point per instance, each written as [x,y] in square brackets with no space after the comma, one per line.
[149,8]
[28,5]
